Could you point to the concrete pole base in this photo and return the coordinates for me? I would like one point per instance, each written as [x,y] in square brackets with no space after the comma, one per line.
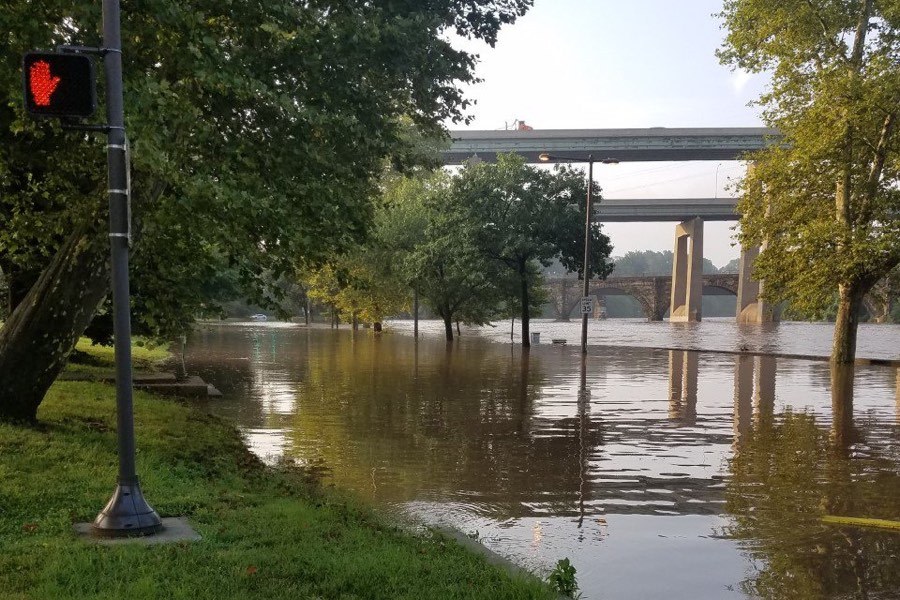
[174,529]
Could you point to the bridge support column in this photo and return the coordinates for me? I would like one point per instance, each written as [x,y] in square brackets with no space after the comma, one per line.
[750,307]
[687,272]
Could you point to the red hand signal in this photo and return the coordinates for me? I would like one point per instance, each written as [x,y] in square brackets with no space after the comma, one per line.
[42,83]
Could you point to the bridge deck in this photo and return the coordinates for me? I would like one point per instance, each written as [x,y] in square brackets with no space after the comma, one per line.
[653,144]
[615,210]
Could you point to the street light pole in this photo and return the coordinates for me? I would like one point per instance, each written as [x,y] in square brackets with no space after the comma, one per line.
[586,273]
[587,251]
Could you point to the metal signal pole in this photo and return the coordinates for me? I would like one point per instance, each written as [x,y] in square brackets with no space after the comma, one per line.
[586,289]
[127,512]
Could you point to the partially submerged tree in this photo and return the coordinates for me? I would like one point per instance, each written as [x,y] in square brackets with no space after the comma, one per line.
[435,252]
[826,200]
[523,217]
[258,130]
[359,285]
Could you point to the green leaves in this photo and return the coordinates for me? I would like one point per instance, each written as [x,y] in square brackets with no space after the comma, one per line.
[265,124]
[826,202]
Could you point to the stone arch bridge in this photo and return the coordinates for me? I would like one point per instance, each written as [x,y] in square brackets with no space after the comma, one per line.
[653,293]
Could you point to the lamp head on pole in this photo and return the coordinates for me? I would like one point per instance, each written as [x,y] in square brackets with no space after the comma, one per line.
[547,157]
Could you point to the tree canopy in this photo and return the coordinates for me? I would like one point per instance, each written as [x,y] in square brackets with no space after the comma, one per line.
[523,217]
[258,131]
[825,199]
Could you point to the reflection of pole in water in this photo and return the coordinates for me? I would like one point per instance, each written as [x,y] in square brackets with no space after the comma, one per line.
[683,374]
[524,408]
[257,354]
[842,406]
[584,409]
[743,396]
[898,394]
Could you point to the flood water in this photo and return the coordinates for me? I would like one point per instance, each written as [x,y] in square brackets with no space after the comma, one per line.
[659,474]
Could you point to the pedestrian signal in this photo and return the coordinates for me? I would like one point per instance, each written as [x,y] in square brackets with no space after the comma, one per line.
[59,85]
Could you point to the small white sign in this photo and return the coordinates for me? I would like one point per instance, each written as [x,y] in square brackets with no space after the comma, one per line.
[587,305]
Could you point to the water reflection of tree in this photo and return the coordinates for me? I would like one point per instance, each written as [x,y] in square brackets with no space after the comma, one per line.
[789,471]
[456,422]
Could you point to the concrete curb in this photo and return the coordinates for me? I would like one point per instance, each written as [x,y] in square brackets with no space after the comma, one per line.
[494,559]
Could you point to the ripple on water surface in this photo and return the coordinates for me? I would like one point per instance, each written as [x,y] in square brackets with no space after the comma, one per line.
[660,474]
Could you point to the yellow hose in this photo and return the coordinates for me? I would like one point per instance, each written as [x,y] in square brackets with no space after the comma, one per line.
[861,522]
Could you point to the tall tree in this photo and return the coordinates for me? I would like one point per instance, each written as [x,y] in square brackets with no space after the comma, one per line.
[826,199]
[258,129]
[523,217]
[435,253]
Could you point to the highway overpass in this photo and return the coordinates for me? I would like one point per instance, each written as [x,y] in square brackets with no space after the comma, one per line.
[616,210]
[625,145]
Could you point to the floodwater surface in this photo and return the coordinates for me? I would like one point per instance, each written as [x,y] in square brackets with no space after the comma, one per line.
[659,474]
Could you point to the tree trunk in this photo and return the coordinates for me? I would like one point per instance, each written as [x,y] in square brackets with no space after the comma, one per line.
[458,333]
[843,348]
[448,327]
[42,331]
[842,429]
[354,320]
[526,339]
[18,283]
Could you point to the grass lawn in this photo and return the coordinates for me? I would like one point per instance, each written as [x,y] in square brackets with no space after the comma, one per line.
[267,533]
[93,361]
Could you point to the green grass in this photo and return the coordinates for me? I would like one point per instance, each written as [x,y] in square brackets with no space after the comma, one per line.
[144,353]
[267,533]
[90,361]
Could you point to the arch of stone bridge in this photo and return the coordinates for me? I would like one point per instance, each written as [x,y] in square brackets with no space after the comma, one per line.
[652,293]
[642,296]
[721,281]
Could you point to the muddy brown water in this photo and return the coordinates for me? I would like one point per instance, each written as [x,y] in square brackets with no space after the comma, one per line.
[660,474]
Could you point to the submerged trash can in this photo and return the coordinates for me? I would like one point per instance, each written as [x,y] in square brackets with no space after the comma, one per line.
[535,337]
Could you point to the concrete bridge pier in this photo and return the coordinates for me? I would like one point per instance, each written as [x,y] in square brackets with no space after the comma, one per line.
[750,307]
[687,273]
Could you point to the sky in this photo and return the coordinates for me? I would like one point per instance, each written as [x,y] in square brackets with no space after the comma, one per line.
[581,64]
